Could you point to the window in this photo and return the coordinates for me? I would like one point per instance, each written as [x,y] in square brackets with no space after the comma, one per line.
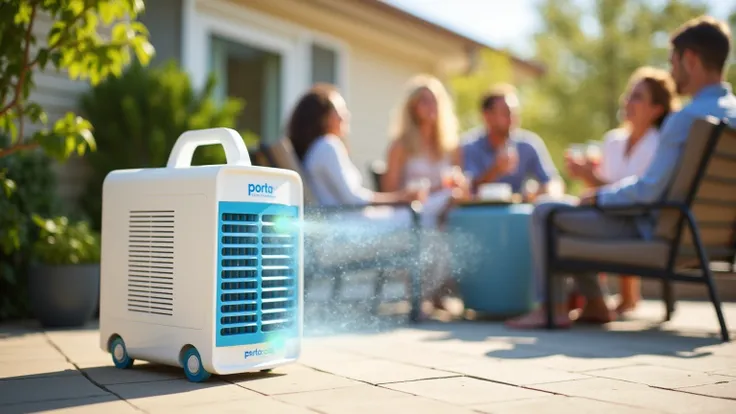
[253,75]
[324,65]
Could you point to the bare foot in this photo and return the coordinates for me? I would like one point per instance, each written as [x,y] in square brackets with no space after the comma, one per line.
[538,319]
[437,302]
[575,301]
[626,306]
[596,314]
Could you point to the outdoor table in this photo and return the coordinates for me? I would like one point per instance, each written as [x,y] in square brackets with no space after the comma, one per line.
[491,257]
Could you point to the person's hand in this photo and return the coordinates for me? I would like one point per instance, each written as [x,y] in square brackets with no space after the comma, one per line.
[452,177]
[505,162]
[588,198]
[461,194]
[460,181]
[416,191]
[414,195]
[578,169]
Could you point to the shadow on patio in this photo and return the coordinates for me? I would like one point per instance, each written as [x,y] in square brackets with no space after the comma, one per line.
[693,333]
[102,384]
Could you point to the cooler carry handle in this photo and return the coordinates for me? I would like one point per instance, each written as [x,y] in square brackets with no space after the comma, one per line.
[236,152]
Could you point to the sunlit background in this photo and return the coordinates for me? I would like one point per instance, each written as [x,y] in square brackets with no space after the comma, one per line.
[511,24]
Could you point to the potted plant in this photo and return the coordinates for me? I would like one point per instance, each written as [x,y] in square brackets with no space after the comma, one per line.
[64,278]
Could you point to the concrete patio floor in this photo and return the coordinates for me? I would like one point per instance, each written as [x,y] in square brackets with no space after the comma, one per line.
[635,366]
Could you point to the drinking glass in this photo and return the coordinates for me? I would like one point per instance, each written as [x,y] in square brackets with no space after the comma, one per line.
[453,176]
[594,152]
[448,177]
[512,154]
[531,188]
[420,185]
[576,152]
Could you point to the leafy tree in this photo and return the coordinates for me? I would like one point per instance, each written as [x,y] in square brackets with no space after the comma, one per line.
[732,72]
[493,67]
[88,40]
[590,54]
[74,43]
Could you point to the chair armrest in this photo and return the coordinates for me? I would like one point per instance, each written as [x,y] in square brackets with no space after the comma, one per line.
[641,209]
[630,209]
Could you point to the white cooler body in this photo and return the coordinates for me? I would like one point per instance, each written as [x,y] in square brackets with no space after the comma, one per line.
[206,256]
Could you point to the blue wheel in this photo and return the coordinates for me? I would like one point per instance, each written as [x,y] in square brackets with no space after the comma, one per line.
[193,368]
[120,356]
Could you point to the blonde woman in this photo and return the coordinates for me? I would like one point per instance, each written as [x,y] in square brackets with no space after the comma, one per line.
[425,143]
[425,148]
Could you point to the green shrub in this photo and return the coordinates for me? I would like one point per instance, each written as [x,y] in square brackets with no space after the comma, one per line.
[34,191]
[61,242]
[137,118]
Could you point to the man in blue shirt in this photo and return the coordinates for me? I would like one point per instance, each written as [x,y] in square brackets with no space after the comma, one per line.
[503,153]
[700,50]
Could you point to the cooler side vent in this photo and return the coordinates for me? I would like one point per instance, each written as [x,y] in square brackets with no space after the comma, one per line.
[151,261]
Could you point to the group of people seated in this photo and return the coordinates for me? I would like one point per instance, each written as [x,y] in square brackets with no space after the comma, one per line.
[427,161]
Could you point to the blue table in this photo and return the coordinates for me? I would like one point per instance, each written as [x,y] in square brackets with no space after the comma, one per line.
[491,257]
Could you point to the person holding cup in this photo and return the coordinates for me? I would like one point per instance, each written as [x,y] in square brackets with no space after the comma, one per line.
[317,129]
[424,145]
[424,149]
[628,150]
[699,51]
[500,152]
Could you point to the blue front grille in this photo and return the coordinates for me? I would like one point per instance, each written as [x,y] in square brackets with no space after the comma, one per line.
[257,268]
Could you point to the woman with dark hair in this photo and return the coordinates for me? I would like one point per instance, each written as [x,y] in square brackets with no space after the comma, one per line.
[317,129]
[649,98]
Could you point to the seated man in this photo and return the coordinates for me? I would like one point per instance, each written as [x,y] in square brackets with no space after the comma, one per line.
[700,49]
[502,152]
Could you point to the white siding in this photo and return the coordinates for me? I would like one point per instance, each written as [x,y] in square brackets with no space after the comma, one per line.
[57,94]
[376,83]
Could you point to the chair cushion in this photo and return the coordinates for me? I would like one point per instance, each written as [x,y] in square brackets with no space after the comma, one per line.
[650,254]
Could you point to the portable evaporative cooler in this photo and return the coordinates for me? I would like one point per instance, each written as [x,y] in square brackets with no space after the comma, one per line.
[201,265]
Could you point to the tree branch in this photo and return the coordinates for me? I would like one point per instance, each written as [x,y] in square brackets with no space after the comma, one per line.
[24,68]
[4,152]
[28,65]
[62,36]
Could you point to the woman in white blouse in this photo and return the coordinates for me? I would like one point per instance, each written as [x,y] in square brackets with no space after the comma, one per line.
[424,141]
[317,130]
[628,150]
[424,146]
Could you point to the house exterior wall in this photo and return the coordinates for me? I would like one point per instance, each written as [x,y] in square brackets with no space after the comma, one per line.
[374,65]
[58,94]
[376,84]
[163,18]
